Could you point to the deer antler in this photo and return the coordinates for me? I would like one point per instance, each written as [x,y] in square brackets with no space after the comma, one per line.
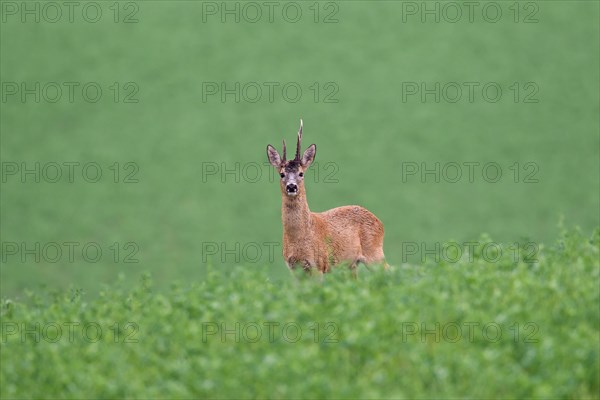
[283,159]
[298,146]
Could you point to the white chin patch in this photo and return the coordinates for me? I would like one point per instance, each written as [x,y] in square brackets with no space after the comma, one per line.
[292,193]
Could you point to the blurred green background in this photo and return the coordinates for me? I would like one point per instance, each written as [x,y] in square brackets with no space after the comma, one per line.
[355,65]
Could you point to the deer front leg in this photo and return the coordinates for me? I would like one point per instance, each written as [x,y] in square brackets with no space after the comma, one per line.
[310,269]
[295,263]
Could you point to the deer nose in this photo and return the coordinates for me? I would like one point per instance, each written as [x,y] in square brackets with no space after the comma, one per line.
[291,187]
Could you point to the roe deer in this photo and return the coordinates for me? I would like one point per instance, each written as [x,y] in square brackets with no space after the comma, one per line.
[320,240]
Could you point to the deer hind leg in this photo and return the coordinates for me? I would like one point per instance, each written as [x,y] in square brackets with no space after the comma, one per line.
[378,258]
[354,268]
[373,254]
[360,259]
[371,241]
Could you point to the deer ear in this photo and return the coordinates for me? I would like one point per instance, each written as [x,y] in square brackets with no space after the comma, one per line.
[309,156]
[273,156]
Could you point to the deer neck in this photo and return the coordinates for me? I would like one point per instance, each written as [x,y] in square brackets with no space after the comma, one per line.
[296,216]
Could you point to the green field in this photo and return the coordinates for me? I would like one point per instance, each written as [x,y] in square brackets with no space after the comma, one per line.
[133,140]
[469,329]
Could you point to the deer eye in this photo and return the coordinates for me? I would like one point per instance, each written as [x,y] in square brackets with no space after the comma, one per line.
[301,174]
[282,175]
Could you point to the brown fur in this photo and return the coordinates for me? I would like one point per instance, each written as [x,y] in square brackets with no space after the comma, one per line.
[318,241]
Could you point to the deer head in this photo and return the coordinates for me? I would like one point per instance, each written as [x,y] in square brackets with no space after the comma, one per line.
[292,171]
